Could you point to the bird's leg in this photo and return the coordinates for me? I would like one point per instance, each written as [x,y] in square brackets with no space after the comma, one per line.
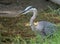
[43,32]
[43,35]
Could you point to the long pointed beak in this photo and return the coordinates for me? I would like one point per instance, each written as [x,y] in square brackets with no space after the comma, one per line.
[22,12]
[29,7]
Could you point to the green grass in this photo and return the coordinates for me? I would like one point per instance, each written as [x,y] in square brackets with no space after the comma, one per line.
[38,40]
[15,31]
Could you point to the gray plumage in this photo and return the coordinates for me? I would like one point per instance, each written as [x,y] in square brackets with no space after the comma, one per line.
[44,28]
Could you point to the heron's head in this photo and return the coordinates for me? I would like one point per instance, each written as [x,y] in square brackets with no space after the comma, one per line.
[29,9]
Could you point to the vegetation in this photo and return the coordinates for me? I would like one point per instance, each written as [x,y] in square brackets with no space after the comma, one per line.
[17,30]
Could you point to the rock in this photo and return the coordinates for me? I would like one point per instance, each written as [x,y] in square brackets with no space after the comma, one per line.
[56,1]
[7,2]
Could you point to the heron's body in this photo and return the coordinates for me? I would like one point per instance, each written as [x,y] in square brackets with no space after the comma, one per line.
[44,28]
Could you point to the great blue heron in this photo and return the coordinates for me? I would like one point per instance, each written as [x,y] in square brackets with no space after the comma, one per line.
[44,28]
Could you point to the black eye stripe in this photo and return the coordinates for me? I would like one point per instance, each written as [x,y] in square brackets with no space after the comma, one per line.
[27,9]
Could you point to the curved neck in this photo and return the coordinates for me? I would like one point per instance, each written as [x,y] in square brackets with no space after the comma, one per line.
[32,19]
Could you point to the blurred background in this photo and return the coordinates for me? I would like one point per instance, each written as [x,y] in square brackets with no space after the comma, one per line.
[16,30]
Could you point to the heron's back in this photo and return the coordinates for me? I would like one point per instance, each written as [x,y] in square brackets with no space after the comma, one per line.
[45,26]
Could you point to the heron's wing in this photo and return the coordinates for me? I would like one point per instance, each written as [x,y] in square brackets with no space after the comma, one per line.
[39,26]
[49,28]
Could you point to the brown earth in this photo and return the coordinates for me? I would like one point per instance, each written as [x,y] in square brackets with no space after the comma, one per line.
[22,4]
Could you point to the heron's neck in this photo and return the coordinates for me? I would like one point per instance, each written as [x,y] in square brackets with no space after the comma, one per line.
[32,19]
